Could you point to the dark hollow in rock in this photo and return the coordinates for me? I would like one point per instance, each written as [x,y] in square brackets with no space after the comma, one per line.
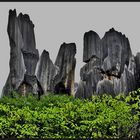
[60,88]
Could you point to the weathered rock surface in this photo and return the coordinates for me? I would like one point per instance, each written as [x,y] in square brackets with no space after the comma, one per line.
[23,53]
[46,72]
[90,74]
[91,46]
[117,52]
[80,93]
[29,51]
[137,74]
[65,61]
[105,87]
[30,84]
[75,87]
[127,81]
[17,66]
[24,56]
[110,66]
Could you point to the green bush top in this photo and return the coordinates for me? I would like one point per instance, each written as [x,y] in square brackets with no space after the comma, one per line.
[62,116]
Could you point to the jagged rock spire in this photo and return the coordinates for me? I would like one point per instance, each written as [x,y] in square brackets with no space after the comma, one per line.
[110,66]
[46,72]
[66,62]
[23,53]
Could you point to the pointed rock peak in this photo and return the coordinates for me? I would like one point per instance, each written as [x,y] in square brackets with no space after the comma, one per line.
[26,17]
[112,29]
[45,52]
[12,12]
[115,31]
[63,45]
[45,55]
[20,15]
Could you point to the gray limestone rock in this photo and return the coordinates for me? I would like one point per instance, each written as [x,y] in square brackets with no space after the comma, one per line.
[94,63]
[110,66]
[137,74]
[75,87]
[117,85]
[66,62]
[91,74]
[92,46]
[118,52]
[23,53]
[17,66]
[30,53]
[30,84]
[128,82]
[46,72]
[80,93]
[105,86]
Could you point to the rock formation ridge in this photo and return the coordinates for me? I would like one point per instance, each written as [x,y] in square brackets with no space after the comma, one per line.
[110,65]
[24,76]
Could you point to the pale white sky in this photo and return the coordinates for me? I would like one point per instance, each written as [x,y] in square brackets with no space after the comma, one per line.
[58,22]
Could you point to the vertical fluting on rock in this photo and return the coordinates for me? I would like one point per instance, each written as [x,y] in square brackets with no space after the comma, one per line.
[46,72]
[17,67]
[110,66]
[24,58]
[91,46]
[30,53]
[90,74]
[116,68]
[116,61]
[118,51]
[65,61]
[23,55]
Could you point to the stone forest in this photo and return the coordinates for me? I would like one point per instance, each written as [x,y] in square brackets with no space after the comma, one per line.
[110,67]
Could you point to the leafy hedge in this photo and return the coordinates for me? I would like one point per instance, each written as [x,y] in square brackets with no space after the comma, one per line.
[62,116]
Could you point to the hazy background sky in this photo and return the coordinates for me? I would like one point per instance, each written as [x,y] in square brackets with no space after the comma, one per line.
[58,22]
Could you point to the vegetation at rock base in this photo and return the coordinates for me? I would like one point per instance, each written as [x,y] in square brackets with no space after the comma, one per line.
[62,116]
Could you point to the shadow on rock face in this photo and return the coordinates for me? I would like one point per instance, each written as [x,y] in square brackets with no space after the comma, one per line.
[60,89]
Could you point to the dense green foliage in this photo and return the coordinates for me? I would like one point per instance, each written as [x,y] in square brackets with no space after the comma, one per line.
[62,116]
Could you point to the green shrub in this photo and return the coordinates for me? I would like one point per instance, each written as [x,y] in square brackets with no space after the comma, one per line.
[62,116]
